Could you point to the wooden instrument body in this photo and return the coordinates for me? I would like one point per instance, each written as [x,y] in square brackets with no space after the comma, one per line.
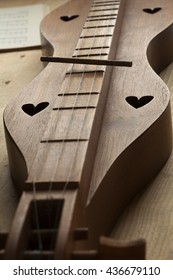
[134,143]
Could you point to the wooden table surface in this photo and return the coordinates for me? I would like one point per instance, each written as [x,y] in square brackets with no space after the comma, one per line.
[149,216]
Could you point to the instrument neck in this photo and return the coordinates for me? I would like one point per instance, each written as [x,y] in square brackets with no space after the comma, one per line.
[69,142]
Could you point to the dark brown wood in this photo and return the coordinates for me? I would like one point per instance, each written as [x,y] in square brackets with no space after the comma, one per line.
[129,139]
[86,61]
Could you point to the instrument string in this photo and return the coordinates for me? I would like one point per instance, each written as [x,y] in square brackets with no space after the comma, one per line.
[85,115]
[88,101]
[37,223]
[71,119]
[76,98]
[52,129]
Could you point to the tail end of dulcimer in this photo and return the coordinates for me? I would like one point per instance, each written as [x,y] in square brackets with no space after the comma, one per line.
[42,239]
[52,234]
[43,227]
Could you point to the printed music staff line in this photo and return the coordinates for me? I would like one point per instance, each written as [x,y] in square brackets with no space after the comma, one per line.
[19,27]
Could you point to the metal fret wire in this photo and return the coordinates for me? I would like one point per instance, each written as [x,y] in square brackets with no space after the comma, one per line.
[61,152]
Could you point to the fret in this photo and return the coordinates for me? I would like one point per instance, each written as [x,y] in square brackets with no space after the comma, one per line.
[97,42]
[95,36]
[97,32]
[91,24]
[104,5]
[86,71]
[100,19]
[63,140]
[102,16]
[92,48]
[96,27]
[76,101]
[104,1]
[74,108]
[77,93]
[105,10]
[93,54]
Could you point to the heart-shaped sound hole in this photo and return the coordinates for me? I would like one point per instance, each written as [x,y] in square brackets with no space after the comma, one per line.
[69,18]
[152,10]
[138,102]
[32,110]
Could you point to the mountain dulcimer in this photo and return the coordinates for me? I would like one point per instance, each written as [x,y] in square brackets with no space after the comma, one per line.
[91,130]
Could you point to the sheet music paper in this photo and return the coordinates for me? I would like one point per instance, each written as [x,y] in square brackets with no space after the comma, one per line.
[19,26]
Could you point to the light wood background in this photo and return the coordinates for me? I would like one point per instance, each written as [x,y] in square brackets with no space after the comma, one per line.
[149,216]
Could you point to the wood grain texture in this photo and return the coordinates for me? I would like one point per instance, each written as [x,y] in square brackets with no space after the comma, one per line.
[149,216]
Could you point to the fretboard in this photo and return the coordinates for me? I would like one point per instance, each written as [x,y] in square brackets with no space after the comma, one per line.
[76,114]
